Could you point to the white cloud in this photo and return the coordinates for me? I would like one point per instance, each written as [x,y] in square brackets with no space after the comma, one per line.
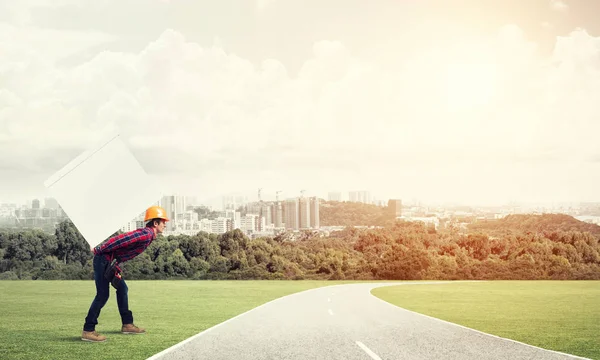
[228,123]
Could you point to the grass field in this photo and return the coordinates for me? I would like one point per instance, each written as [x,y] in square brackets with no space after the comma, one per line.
[44,319]
[557,315]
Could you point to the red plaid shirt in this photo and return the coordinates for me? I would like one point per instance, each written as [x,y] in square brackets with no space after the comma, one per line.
[126,246]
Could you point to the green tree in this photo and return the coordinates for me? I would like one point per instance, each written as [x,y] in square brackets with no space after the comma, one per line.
[71,245]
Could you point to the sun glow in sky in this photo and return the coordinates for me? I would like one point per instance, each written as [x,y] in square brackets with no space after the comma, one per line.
[470,85]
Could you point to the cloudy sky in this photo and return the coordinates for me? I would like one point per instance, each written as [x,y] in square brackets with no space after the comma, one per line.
[468,101]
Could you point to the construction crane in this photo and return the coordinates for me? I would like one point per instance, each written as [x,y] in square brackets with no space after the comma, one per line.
[259,190]
[277,195]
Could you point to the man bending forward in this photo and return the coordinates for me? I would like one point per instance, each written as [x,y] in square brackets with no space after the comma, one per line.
[122,247]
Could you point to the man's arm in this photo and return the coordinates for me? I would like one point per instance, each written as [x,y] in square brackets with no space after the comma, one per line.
[118,241]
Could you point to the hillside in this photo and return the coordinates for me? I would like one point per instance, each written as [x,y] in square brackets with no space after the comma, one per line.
[335,213]
[545,223]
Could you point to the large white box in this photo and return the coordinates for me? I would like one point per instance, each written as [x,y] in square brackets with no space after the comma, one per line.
[103,188]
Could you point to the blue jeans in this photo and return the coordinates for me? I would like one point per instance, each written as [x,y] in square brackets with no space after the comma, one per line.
[102,294]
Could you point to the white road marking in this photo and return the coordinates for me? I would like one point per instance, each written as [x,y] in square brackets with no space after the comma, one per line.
[368,351]
[330,312]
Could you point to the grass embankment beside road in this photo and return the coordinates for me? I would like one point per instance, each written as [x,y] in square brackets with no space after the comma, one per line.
[44,319]
[556,315]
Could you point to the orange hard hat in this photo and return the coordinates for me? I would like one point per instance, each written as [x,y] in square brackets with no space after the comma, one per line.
[156,212]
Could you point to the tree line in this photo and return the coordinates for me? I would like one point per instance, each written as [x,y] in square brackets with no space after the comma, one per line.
[550,246]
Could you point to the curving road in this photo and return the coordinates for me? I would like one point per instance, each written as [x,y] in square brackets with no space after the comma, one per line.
[345,322]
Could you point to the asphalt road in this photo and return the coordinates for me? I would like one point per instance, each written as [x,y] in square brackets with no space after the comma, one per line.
[345,322]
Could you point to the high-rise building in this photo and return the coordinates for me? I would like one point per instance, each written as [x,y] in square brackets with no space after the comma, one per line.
[253,208]
[301,213]
[35,204]
[395,207]
[360,196]
[179,205]
[263,210]
[314,212]
[169,203]
[292,214]
[266,216]
[277,214]
[304,213]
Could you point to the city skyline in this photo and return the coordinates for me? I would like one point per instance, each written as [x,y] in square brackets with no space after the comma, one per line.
[270,218]
[218,203]
[492,105]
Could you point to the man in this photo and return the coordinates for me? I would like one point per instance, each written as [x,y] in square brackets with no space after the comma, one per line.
[123,248]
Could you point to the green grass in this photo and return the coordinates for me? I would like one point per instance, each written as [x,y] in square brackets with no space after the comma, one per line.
[557,315]
[44,319]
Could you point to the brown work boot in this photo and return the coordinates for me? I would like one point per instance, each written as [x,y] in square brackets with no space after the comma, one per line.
[92,336]
[132,329]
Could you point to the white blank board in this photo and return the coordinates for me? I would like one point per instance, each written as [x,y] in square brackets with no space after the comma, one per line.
[103,189]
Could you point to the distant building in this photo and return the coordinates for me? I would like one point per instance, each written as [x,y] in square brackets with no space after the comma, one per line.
[250,223]
[395,207]
[314,212]
[231,202]
[277,214]
[168,203]
[292,213]
[264,210]
[360,196]
[335,196]
[221,225]
[304,213]
[50,203]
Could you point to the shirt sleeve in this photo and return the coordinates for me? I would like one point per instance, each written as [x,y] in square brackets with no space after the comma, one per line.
[117,242]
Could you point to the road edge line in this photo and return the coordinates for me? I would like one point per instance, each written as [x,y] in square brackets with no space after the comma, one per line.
[465,327]
[191,338]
